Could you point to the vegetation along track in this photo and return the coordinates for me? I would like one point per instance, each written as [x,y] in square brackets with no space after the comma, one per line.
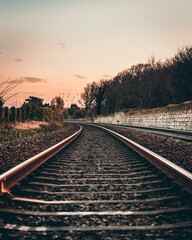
[97,188]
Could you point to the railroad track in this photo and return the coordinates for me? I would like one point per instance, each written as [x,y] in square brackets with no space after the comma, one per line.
[179,134]
[97,188]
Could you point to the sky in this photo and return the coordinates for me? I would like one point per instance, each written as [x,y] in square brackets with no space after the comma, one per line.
[56,47]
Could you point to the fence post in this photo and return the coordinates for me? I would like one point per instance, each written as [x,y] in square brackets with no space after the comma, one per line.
[23,114]
[2,117]
[19,116]
[6,111]
[9,115]
[15,115]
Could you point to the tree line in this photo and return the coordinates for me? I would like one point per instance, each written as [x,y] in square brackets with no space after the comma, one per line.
[32,109]
[145,85]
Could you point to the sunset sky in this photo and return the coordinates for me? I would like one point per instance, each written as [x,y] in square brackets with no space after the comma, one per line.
[54,47]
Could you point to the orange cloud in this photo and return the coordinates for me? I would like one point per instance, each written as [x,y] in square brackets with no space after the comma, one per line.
[18,59]
[34,79]
[106,76]
[16,81]
[26,79]
[79,76]
[61,44]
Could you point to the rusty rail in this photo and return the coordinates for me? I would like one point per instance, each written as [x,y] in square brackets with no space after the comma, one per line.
[173,171]
[17,173]
[149,128]
[183,135]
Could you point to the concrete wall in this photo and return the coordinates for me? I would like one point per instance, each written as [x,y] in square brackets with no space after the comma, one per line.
[180,119]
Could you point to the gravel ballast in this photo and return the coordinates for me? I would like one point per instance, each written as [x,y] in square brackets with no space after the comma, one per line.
[19,150]
[95,197]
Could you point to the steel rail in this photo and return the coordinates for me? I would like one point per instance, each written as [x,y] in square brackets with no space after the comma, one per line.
[17,173]
[149,128]
[179,134]
[173,171]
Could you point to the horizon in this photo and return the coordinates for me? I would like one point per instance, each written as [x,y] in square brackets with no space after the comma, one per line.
[56,47]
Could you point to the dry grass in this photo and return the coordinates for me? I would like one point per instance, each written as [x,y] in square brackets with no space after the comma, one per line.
[29,125]
[168,108]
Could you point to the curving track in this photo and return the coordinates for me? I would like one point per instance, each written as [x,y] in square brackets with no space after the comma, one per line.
[179,134]
[97,188]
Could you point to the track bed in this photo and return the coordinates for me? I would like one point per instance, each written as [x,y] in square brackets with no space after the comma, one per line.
[97,188]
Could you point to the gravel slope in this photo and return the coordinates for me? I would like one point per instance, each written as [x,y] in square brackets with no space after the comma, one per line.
[19,150]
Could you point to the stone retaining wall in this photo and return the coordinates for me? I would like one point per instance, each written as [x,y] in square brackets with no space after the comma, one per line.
[179,120]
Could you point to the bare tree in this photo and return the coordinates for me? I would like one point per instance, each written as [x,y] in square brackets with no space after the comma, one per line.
[88,96]
[57,103]
[180,69]
[99,93]
[144,85]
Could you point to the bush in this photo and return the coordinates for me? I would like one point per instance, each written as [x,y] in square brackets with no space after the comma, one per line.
[38,113]
[49,114]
